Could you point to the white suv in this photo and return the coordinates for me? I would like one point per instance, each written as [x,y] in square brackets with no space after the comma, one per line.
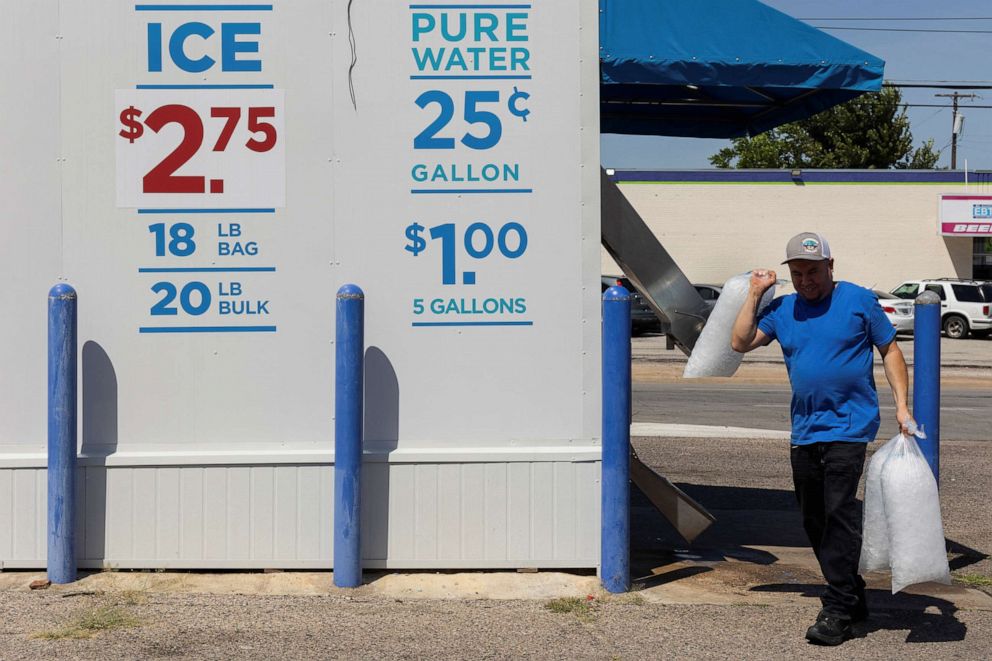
[964,304]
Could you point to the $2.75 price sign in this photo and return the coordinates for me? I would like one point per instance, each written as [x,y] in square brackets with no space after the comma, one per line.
[200,148]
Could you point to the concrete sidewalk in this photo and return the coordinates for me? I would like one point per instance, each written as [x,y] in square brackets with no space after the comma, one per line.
[969,353]
[757,575]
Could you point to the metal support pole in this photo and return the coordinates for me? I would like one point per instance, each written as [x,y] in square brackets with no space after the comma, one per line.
[954,134]
[61,434]
[348,400]
[955,127]
[615,530]
[926,376]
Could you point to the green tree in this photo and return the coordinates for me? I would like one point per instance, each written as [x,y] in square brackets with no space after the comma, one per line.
[871,131]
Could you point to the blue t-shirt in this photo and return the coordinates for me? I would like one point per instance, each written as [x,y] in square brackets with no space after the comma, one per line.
[828,349]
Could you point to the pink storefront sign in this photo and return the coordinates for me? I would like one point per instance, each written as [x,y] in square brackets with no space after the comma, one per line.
[965,215]
[966,229]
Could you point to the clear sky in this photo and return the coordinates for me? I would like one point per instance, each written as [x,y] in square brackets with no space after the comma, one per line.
[909,56]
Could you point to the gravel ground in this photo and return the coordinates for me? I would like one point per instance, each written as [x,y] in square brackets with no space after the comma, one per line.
[333,627]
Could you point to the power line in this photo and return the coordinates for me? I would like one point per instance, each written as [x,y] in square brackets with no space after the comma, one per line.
[927,30]
[938,105]
[917,125]
[940,86]
[910,81]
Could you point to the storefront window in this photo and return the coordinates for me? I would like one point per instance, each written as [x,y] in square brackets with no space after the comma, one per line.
[982,258]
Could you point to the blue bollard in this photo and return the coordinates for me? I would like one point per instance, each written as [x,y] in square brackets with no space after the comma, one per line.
[348,399]
[615,524]
[926,376]
[62,434]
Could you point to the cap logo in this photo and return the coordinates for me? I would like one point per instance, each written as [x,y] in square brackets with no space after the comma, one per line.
[810,245]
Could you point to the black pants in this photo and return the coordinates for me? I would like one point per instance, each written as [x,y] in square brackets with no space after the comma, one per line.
[826,477]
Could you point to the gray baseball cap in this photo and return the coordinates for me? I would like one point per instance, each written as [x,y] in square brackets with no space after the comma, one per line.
[808,245]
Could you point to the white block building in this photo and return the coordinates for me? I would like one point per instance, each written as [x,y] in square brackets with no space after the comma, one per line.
[883,225]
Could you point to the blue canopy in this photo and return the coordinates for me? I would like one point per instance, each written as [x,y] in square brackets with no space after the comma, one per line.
[719,68]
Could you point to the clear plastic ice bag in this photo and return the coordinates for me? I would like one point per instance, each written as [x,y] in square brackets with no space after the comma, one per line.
[875,541]
[712,355]
[917,551]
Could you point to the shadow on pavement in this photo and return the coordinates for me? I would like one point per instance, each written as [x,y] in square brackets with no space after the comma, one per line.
[745,517]
[650,577]
[963,555]
[928,619]
[748,522]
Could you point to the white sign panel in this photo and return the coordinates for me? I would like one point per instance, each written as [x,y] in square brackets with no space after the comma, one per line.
[225,167]
[965,215]
[471,249]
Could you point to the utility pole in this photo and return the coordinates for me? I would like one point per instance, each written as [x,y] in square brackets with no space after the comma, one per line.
[955,124]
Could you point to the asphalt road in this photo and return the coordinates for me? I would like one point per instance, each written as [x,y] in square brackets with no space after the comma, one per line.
[965,413]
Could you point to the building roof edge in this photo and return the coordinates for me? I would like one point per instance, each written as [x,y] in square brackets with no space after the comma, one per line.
[724,176]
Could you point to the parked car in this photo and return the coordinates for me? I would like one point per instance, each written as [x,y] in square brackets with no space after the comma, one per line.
[642,316]
[899,311]
[965,305]
[709,293]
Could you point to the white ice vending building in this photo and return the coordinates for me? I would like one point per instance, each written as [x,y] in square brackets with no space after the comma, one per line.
[206,176]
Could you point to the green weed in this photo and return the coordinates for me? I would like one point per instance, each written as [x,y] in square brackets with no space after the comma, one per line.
[573,605]
[973,580]
[90,622]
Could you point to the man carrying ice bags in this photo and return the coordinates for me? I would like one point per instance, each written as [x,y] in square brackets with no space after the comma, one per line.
[827,331]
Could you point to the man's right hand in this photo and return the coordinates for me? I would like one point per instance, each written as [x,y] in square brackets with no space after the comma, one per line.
[762,280]
[745,335]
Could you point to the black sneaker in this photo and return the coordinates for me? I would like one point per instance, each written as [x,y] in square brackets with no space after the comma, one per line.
[857,615]
[829,630]
[860,613]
